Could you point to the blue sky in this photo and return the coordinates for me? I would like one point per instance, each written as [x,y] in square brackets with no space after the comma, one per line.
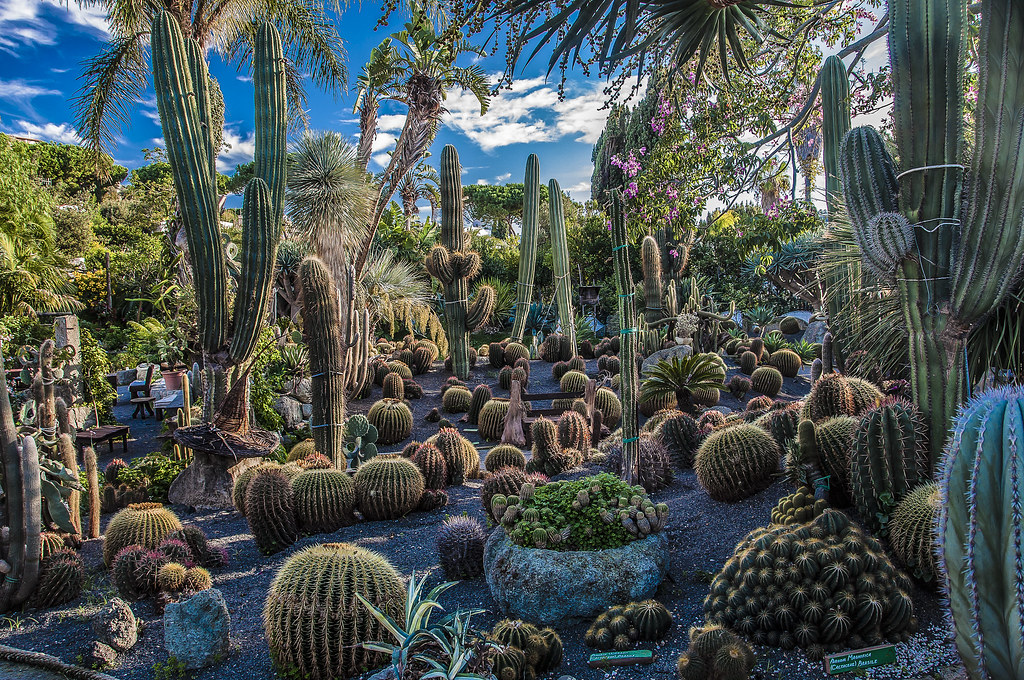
[43,43]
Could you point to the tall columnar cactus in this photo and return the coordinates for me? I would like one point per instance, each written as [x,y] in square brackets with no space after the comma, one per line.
[627,348]
[979,533]
[321,324]
[453,265]
[650,257]
[181,81]
[527,245]
[560,266]
[963,257]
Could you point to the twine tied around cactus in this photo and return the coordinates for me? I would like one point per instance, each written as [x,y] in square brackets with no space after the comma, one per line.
[924,168]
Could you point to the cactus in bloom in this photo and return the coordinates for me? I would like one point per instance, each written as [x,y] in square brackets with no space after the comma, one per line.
[627,351]
[527,247]
[453,265]
[561,271]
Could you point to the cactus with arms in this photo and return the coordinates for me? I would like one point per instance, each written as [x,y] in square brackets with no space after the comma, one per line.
[560,256]
[527,245]
[453,265]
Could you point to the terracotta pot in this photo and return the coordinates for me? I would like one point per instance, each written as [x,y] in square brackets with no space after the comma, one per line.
[172,379]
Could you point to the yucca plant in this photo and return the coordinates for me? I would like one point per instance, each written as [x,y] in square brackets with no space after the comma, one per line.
[680,376]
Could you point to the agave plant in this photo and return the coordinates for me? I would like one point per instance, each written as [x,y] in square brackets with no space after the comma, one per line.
[774,341]
[806,350]
[758,316]
[679,376]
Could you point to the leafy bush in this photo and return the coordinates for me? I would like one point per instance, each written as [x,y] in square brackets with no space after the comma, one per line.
[153,471]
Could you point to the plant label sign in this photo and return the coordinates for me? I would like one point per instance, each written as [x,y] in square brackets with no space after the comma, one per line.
[882,655]
[631,657]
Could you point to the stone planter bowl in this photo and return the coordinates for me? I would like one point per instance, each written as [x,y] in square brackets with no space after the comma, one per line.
[546,586]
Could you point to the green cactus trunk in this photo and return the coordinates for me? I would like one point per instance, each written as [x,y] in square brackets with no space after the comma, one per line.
[270,82]
[527,246]
[320,322]
[560,256]
[650,257]
[627,348]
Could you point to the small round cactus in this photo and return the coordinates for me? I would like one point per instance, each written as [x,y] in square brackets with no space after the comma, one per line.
[388,487]
[767,380]
[429,459]
[61,575]
[788,362]
[748,362]
[269,507]
[514,351]
[145,524]
[171,577]
[912,531]
[607,402]
[737,462]
[460,547]
[491,424]
[504,455]
[573,381]
[574,431]
[456,400]
[393,420]
[393,387]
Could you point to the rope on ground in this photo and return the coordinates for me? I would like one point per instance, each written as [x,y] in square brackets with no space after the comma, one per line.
[50,663]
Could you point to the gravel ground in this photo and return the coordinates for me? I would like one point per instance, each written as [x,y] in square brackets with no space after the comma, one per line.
[702,534]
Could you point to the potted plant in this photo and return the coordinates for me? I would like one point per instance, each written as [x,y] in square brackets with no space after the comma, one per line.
[170,354]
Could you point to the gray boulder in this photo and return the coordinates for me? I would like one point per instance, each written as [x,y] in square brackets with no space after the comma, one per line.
[197,631]
[545,586]
[300,389]
[115,625]
[815,332]
[127,376]
[677,351]
[307,411]
[290,409]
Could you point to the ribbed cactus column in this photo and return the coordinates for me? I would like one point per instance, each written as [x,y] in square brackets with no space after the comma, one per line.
[627,348]
[560,264]
[979,534]
[527,245]
[322,327]
[650,258]
[453,265]
[269,80]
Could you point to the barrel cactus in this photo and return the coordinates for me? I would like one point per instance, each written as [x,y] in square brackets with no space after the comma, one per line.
[834,441]
[171,577]
[654,466]
[134,571]
[788,362]
[388,487]
[324,501]
[830,396]
[681,436]
[789,325]
[866,395]
[503,483]
[144,524]
[269,508]
[573,381]
[748,362]
[715,652]
[481,395]
[461,457]
[706,396]
[393,387]
[300,450]
[393,420]
[456,400]
[767,380]
[61,575]
[574,431]
[912,531]
[607,402]
[737,462]
[460,547]
[491,424]
[329,579]
[429,459]
[503,456]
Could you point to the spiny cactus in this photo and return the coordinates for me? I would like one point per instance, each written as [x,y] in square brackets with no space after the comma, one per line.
[715,654]
[453,265]
[393,387]
[748,362]
[574,431]
[61,575]
[176,550]
[491,423]
[888,459]
[737,462]
[503,483]
[912,532]
[460,547]
[432,466]
[830,396]
[481,395]
[833,439]
[202,552]
[653,462]
[607,402]
[461,457]
[300,450]
[560,270]
[823,586]
[145,524]
[865,395]
[388,488]
[767,380]
[527,246]
[324,501]
[627,342]
[269,508]
[650,256]
[242,483]
[197,579]
[799,507]
[393,420]
[681,436]
[327,579]
[171,577]
[787,361]
[134,571]
[515,351]
[456,400]
[503,456]
[706,396]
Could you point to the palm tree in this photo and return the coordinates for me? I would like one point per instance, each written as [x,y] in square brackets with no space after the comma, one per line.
[424,71]
[118,76]
[328,198]
[679,376]
[374,85]
[420,183]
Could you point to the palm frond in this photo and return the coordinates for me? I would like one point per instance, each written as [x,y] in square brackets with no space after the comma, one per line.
[678,374]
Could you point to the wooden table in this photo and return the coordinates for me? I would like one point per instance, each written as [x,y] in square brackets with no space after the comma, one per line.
[104,433]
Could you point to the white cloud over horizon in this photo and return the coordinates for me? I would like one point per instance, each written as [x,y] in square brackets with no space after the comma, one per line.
[31,22]
[242,150]
[64,133]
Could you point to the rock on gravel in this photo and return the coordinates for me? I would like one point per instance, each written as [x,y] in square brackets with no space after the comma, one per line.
[197,632]
[115,625]
[101,655]
[547,586]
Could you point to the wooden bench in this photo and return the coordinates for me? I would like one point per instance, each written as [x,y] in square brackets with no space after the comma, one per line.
[518,427]
[103,433]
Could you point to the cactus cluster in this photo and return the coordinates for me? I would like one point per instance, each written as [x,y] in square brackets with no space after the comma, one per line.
[270,510]
[781,421]
[461,457]
[388,487]
[549,456]
[460,547]
[324,501]
[491,423]
[503,456]
[799,507]
[330,579]
[134,571]
[715,653]
[593,513]
[654,466]
[393,420]
[145,524]
[540,649]
[623,625]
[203,554]
[823,586]
[736,462]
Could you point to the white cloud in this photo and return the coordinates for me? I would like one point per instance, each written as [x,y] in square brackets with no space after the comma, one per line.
[504,177]
[30,22]
[530,112]
[391,122]
[482,182]
[23,90]
[243,150]
[63,133]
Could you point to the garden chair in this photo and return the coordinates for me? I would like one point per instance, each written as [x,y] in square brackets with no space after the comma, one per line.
[141,395]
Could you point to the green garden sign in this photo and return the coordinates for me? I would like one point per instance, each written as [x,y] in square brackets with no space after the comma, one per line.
[883,655]
[626,658]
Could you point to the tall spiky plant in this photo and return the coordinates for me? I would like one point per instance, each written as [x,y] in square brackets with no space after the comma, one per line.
[527,245]
[954,262]
[627,347]
[560,265]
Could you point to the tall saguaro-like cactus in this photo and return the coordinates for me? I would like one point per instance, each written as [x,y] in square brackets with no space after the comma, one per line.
[627,348]
[527,245]
[560,264]
[454,265]
[181,81]
[650,259]
[953,263]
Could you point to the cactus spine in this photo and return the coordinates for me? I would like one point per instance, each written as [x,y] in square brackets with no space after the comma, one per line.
[560,266]
[527,245]
[453,265]
[979,533]
[627,348]
[320,321]
[89,454]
